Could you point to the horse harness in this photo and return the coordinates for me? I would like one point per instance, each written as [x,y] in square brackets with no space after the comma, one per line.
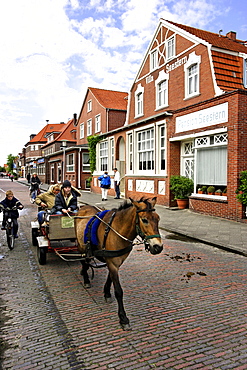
[91,250]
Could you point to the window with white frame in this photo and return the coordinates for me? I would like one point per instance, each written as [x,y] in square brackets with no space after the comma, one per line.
[130,152]
[245,72]
[145,150]
[89,105]
[139,100]
[82,133]
[162,147]
[170,45]
[70,162]
[161,84]
[85,162]
[89,127]
[153,59]
[188,159]
[192,75]
[111,163]
[97,123]
[211,159]
[103,155]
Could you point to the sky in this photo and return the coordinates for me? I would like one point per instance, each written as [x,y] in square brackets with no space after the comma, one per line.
[51,51]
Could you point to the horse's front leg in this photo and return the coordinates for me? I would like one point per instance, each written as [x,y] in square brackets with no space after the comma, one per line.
[123,319]
[107,289]
[86,281]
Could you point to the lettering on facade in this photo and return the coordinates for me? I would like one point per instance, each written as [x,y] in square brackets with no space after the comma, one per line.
[178,63]
[202,118]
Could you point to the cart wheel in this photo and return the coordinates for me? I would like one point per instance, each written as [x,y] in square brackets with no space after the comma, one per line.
[35,233]
[42,255]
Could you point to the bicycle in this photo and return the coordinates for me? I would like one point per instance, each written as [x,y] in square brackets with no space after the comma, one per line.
[10,226]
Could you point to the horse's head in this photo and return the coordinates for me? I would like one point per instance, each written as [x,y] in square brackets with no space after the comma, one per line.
[147,221]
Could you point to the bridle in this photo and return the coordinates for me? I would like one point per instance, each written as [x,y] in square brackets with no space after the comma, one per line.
[144,237]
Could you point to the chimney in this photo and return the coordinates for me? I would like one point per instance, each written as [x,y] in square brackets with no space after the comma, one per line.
[231,35]
[32,136]
[75,119]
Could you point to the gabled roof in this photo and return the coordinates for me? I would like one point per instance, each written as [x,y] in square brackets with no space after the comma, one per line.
[66,133]
[110,99]
[217,40]
[41,137]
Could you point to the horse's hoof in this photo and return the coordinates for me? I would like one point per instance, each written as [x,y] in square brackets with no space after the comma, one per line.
[87,285]
[126,327]
[108,299]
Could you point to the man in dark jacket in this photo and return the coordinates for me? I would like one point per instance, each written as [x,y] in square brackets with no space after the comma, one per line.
[66,200]
[35,182]
[13,204]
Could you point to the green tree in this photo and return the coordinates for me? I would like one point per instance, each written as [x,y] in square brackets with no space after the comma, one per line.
[242,189]
[10,162]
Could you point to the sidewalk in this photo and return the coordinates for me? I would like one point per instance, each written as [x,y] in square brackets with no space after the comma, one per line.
[221,233]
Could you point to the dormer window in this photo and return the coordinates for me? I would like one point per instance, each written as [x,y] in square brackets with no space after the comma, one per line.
[153,60]
[192,75]
[170,48]
[245,72]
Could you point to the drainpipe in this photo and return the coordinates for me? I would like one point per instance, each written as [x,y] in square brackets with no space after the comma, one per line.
[79,171]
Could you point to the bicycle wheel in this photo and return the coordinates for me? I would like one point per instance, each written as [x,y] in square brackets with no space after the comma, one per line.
[10,237]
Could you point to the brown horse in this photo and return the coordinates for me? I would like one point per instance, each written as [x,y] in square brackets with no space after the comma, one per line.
[115,235]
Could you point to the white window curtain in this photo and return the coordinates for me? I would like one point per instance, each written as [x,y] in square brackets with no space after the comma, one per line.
[212,166]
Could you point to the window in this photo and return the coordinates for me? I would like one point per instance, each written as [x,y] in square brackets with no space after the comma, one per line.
[162,90]
[70,163]
[85,162]
[97,123]
[162,138]
[82,130]
[130,150]
[59,173]
[103,155]
[112,154]
[52,173]
[170,48]
[188,159]
[153,60]
[89,105]
[211,160]
[191,69]
[89,127]
[145,150]
[245,73]
[139,100]
[193,79]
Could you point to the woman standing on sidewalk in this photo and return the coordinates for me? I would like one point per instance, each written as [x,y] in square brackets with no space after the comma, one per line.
[105,184]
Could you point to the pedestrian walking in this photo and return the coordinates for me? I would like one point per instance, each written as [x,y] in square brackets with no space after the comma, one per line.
[34,189]
[11,177]
[105,184]
[116,182]
[28,178]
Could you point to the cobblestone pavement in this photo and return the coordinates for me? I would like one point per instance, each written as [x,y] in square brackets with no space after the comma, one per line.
[187,308]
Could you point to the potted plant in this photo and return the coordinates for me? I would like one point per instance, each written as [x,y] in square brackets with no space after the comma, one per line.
[204,189]
[225,192]
[218,192]
[210,190]
[199,191]
[181,187]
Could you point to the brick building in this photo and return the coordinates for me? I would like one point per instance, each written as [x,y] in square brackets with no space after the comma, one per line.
[186,115]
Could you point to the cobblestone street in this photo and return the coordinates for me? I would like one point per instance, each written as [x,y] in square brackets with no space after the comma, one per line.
[187,308]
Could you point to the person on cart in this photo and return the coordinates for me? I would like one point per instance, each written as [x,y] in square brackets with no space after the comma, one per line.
[12,203]
[34,189]
[45,201]
[66,200]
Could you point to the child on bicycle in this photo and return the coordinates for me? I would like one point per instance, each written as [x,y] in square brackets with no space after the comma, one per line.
[13,204]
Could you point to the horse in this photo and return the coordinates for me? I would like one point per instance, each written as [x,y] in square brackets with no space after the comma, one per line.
[115,235]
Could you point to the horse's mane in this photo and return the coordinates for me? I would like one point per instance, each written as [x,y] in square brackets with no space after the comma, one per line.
[126,204]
